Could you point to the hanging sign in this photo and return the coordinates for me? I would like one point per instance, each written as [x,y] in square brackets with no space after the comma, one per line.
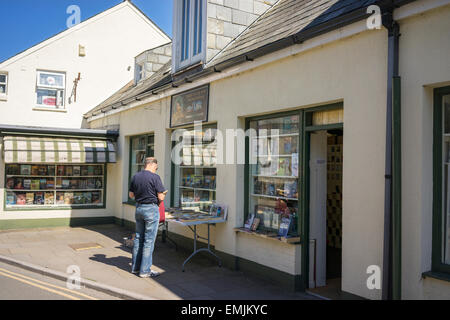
[189,106]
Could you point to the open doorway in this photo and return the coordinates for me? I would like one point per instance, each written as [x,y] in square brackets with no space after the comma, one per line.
[325,251]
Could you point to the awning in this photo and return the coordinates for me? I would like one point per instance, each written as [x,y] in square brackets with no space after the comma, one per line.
[18,149]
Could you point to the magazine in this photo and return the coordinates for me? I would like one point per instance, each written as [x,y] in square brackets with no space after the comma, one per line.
[284,226]
[61,171]
[43,184]
[27,184]
[95,197]
[39,198]
[10,183]
[76,171]
[29,198]
[255,224]
[35,184]
[49,198]
[34,170]
[249,222]
[21,199]
[68,198]
[69,171]
[25,170]
[10,199]
[60,198]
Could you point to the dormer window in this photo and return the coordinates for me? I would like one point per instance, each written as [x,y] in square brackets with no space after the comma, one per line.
[189,32]
[139,73]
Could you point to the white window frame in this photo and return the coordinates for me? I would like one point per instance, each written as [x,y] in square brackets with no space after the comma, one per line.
[4,94]
[177,64]
[56,88]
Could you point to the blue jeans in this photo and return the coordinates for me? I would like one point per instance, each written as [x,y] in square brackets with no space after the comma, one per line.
[147,221]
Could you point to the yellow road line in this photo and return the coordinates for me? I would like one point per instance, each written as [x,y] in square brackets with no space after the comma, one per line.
[39,286]
[48,284]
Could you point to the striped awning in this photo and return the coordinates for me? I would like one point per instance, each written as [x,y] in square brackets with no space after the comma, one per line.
[18,149]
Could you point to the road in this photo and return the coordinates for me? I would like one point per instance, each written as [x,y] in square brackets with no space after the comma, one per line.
[21,284]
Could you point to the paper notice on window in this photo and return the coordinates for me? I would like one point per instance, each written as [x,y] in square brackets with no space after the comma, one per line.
[294,163]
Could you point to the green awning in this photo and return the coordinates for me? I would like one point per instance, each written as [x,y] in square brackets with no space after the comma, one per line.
[18,149]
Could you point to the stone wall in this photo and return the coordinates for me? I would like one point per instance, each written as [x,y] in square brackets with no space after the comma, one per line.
[154,59]
[228,18]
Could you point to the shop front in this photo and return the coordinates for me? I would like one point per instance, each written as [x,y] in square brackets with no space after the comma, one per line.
[54,176]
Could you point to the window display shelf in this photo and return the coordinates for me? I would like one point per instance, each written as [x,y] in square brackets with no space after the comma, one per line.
[279,177]
[269,236]
[197,202]
[197,188]
[198,167]
[277,136]
[273,197]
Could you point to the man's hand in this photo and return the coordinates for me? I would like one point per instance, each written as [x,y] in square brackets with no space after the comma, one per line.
[131,195]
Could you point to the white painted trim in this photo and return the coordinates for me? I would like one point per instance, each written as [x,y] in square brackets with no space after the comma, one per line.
[418,7]
[329,37]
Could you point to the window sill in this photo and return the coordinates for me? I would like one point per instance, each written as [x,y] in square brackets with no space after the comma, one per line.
[130,203]
[292,240]
[49,109]
[3,97]
[436,275]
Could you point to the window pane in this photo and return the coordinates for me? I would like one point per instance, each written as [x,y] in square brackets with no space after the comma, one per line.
[185,29]
[47,97]
[194,45]
[446,156]
[273,180]
[2,88]
[51,80]
[2,78]
[138,154]
[195,177]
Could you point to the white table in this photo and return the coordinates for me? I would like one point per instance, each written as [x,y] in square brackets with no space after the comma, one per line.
[194,224]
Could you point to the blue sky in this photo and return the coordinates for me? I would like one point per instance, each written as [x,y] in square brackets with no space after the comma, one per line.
[29,22]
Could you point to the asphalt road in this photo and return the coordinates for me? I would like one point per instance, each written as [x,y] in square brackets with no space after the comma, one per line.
[20,284]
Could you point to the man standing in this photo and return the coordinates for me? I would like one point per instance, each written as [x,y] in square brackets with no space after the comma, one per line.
[148,191]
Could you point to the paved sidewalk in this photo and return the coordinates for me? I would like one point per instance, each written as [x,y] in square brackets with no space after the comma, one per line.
[110,265]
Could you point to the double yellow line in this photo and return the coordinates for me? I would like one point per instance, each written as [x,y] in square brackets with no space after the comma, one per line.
[45,286]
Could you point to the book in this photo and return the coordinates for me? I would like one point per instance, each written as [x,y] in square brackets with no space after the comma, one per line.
[13,169]
[60,198]
[50,184]
[77,198]
[49,198]
[29,198]
[73,184]
[34,170]
[88,197]
[249,222]
[10,183]
[68,198]
[65,184]
[76,170]
[255,224]
[69,171]
[84,170]
[42,170]
[43,184]
[25,170]
[18,184]
[91,184]
[96,197]
[21,199]
[61,171]
[294,164]
[51,170]
[284,226]
[39,198]
[10,199]
[35,184]
[90,171]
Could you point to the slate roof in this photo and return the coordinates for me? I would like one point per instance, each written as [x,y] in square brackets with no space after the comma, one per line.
[284,19]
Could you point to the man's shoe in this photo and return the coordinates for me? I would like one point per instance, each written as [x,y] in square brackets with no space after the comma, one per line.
[144,275]
[154,274]
[134,272]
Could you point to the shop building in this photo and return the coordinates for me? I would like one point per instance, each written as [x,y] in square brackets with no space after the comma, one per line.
[364,185]
[52,172]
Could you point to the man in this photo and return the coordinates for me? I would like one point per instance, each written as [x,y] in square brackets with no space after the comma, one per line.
[148,191]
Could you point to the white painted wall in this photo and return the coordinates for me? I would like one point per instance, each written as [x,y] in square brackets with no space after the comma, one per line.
[112,39]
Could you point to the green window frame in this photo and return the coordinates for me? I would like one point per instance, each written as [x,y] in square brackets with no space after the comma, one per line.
[145,148]
[441,168]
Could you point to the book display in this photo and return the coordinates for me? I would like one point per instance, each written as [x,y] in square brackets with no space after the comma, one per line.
[54,185]
[195,177]
[274,176]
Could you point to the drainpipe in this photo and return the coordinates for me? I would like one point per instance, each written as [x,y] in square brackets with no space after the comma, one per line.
[391,288]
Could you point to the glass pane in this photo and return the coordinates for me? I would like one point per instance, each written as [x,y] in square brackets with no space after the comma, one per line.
[274,159]
[2,88]
[2,78]
[185,30]
[446,159]
[138,154]
[327,117]
[195,177]
[54,185]
[51,80]
[47,97]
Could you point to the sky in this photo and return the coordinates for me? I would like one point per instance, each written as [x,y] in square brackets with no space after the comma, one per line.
[25,23]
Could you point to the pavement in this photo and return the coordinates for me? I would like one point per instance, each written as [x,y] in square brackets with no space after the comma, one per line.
[105,263]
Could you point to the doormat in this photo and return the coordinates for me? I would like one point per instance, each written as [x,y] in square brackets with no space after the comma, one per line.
[85,246]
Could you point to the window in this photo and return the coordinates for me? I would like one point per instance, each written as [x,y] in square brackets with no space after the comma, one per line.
[195,177]
[441,216]
[139,72]
[141,147]
[190,33]
[273,193]
[3,83]
[36,185]
[50,89]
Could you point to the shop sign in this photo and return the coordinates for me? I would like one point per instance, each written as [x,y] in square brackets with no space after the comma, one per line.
[189,107]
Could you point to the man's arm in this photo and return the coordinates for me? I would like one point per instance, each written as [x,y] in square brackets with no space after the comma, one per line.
[162,196]
[131,195]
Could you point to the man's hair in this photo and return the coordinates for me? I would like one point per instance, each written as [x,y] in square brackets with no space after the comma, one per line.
[149,161]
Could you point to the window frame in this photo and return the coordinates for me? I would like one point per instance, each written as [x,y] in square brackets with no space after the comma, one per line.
[437,264]
[51,88]
[192,58]
[4,83]
[130,165]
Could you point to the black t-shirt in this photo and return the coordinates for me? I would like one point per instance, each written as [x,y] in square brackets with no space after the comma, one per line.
[146,185]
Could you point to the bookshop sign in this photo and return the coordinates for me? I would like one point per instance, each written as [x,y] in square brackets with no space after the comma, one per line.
[189,106]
